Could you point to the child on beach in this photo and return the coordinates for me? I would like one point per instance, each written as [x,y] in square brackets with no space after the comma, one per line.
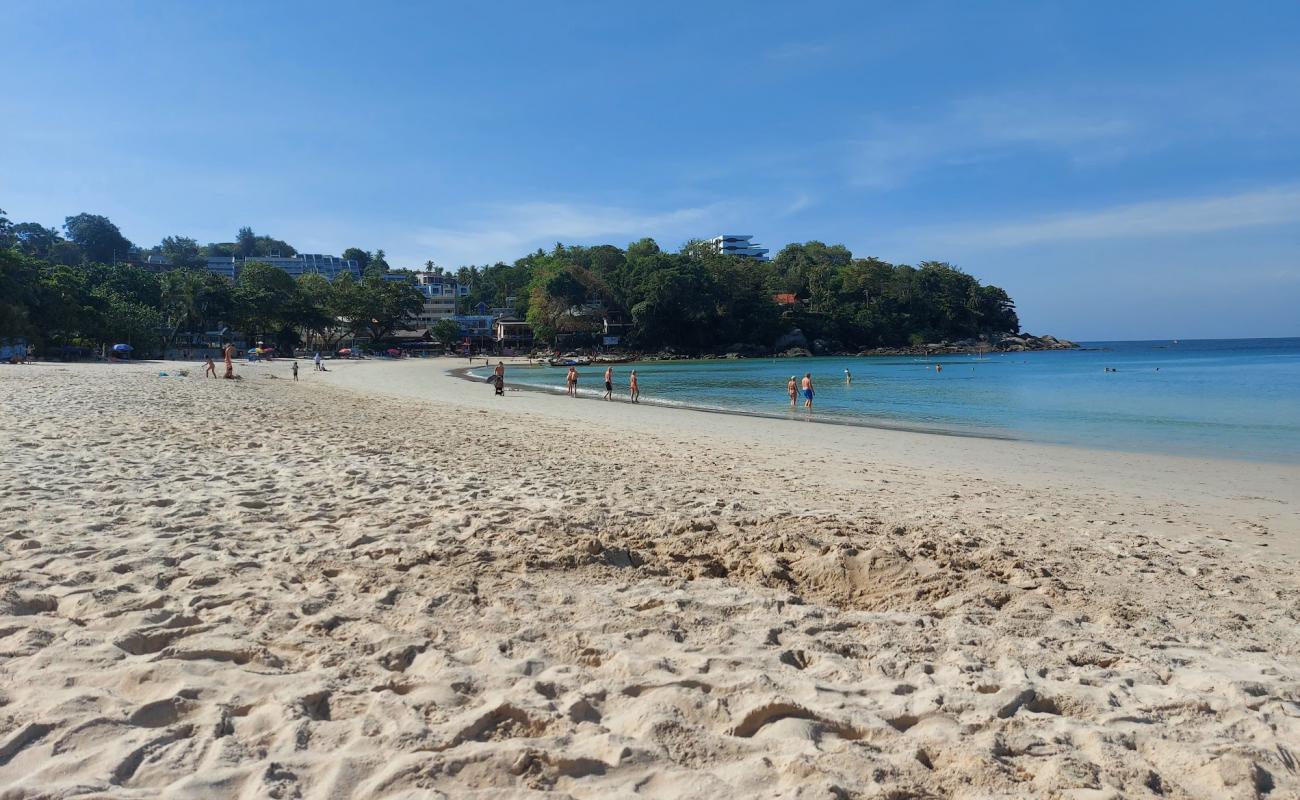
[209,368]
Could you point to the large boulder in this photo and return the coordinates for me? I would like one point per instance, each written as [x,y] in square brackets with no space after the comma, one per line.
[795,352]
[794,338]
[825,347]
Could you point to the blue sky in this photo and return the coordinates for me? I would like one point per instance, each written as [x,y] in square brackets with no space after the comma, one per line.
[1123,170]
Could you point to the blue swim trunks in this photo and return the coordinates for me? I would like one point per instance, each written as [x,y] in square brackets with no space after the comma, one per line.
[807,394]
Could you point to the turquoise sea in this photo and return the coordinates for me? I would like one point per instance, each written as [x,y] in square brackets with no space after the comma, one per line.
[1233,398]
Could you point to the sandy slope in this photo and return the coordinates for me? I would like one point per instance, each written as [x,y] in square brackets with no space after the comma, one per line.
[263,589]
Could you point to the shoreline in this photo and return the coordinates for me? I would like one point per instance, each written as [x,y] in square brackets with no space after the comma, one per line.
[463,374]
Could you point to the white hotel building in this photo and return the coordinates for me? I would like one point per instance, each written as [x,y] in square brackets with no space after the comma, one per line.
[441,291]
[734,244]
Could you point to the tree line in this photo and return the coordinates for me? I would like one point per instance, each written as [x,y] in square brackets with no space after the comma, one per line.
[697,299]
[74,288]
[79,291]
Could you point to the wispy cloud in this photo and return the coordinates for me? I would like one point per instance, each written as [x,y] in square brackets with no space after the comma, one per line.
[799,202]
[990,127]
[506,232]
[1278,205]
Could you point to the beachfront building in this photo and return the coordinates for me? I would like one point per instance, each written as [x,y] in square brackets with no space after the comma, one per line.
[441,294]
[302,264]
[735,244]
[311,264]
[513,334]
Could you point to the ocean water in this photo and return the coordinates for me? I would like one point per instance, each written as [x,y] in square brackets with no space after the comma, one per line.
[1233,398]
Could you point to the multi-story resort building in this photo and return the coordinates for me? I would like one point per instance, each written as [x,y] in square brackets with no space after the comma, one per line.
[302,264]
[734,244]
[441,291]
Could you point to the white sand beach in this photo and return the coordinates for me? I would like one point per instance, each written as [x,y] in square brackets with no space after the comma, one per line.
[384,582]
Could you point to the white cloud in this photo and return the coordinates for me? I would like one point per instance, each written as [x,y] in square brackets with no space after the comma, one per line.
[506,232]
[1184,217]
[990,127]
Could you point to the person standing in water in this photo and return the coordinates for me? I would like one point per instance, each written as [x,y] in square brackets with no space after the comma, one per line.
[633,390]
[792,388]
[848,377]
[807,390]
[571,380]
[609,383]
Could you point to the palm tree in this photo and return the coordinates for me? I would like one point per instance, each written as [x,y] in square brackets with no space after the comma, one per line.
[181,289]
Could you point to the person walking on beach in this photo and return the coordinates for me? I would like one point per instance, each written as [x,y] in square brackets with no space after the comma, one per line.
[572,381]
[609,383]
[633,390]
[209,368]
[500,371]
[792,388]
[316,360]
[807,390]
[229,354]
[295,372]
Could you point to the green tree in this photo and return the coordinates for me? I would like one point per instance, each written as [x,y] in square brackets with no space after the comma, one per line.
[19,293]
[358,255]
[99,239]
[265,300]
[377,265]
[383,306]
[317,314]
[246,243]
[139,325]
[193,300]
[183,253]
[36,240]
[446,332]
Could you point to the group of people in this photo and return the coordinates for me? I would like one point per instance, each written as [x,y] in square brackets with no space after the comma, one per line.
[633,387]
[228,355]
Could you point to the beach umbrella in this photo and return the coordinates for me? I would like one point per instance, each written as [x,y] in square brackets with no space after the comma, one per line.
[393,351]
[122,348]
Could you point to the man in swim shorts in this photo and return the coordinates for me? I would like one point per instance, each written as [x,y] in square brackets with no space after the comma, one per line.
[807,390]
[609,383]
